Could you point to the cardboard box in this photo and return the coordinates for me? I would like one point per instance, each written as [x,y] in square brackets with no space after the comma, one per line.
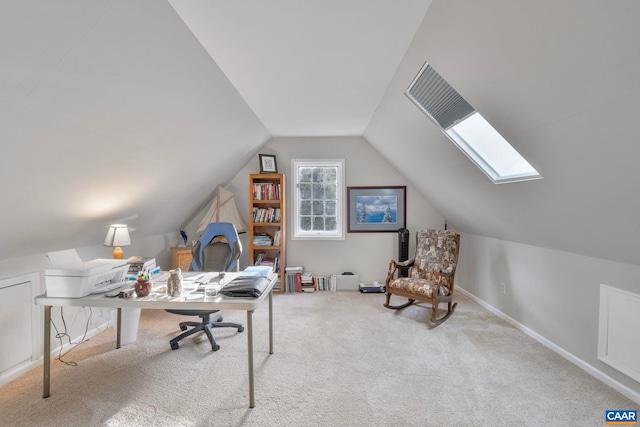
[347,282]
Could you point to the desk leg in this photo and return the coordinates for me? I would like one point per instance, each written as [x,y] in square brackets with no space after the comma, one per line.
[252,400]
[47,352]
[271,322]
[119,328]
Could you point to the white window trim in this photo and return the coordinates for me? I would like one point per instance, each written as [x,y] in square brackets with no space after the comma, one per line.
[296,233]
[449,110]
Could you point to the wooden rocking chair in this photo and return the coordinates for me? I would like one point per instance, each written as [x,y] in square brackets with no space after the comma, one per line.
[431,273]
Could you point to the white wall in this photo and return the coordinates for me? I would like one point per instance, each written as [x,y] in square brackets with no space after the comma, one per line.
[555,294]
[366,254]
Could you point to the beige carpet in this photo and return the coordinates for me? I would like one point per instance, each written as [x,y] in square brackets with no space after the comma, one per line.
[341,359]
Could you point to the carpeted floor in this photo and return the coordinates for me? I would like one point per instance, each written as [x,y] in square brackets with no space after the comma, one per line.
[340,359]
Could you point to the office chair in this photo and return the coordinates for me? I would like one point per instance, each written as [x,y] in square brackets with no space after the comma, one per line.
[218,249]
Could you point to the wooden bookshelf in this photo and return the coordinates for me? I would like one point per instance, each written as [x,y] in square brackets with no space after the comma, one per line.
[268,221]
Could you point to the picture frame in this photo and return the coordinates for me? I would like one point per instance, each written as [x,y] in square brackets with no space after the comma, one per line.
[376,209]
[268,163]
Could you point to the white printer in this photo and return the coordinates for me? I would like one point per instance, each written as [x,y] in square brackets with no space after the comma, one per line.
[79,279]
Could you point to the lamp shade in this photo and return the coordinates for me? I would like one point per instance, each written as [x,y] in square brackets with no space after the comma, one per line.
[118,235]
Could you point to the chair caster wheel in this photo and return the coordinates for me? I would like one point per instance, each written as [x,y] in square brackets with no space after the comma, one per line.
[175,346]
[241,329]
[183,328]
[215,347]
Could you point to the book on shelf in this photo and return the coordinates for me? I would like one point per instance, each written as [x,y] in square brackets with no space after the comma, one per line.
[262,240]
[266,214]
[263,259]
[266,191]
[276,263]
[277,238]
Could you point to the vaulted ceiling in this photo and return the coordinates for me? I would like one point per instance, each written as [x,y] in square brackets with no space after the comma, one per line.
[312,68]
[96,95]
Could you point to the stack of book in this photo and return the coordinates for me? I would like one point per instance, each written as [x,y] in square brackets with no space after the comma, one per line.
[307,283]
[261,240]
[138,264]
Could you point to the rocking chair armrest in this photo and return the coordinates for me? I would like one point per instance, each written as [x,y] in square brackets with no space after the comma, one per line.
[398,265]
[404,265]
[448,274]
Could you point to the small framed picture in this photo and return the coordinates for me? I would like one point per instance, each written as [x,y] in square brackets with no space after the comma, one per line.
[268,163]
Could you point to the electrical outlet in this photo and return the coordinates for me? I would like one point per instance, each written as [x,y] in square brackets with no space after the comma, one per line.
[503,288]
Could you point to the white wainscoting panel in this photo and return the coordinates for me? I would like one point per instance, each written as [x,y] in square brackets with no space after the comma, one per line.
[18,322]
[618,337]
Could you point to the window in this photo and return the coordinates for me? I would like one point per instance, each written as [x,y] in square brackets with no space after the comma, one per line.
[468,129]
[318,199]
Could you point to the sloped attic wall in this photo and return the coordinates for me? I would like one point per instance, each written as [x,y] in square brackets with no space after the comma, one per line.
[109,112]
[561,87]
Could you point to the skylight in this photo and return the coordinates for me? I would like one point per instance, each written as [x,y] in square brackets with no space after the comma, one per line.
[468,129]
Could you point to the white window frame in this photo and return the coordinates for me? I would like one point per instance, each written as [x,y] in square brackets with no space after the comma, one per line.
[296,232]
[467,129]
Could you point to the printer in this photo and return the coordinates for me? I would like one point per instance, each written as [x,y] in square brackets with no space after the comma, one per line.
[79,279]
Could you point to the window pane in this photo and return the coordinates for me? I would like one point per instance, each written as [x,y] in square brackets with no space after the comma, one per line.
[330,208]
[318,207]
[305,207]
[330,191]
[331,174]
[318,223]
[483,141]
[330,223]
[305,175]
[318,192]
[318,174]
[305,191]
[305,223]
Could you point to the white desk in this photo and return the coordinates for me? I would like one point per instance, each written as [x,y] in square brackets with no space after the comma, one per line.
[161,301]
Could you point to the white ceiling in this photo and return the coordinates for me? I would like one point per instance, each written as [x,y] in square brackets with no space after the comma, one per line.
[307,68]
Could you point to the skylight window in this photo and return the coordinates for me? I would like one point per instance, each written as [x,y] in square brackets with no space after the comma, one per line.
[468,129]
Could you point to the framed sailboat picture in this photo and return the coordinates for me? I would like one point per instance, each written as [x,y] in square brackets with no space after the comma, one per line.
[376,209]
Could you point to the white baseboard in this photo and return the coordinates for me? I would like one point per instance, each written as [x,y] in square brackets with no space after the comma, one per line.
[598,374]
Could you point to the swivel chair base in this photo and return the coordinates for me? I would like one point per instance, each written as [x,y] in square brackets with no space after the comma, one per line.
[206,325]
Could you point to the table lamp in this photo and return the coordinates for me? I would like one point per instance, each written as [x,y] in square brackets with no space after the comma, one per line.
[118,235]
